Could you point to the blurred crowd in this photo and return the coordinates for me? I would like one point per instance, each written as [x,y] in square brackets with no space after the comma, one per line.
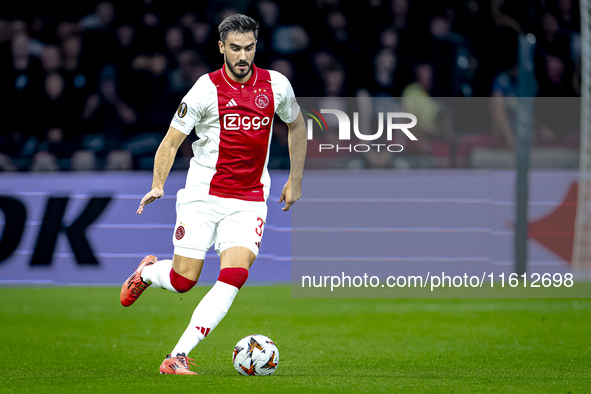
[93,85]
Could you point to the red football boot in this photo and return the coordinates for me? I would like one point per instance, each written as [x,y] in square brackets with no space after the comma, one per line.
[178,365]
[134,286]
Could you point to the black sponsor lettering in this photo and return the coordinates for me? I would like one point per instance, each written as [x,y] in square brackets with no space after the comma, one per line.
[76,232]
[15,216]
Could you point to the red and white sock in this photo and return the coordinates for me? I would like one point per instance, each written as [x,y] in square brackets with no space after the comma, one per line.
[212,308]
[163,276]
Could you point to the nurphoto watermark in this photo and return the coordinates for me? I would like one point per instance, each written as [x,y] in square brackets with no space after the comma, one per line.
[344,133]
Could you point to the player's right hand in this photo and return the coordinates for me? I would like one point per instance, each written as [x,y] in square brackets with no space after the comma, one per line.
[150,197]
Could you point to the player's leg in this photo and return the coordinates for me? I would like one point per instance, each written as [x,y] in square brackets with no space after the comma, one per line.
[238,240]
[235,263]
[178,275]
[193,236]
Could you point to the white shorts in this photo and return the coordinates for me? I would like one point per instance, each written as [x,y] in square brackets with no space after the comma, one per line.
[207,219]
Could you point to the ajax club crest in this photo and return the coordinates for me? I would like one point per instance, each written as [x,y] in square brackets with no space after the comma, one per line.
[261,101]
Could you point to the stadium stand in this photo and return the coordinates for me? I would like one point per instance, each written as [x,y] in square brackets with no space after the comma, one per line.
[92,85]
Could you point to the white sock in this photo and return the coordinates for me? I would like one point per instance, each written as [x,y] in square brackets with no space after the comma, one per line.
[210,311]
[158,275]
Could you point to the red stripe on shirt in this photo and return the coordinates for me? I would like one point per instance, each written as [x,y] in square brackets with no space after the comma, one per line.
[245,130]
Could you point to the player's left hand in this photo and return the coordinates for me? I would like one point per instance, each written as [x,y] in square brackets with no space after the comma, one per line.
[290,194]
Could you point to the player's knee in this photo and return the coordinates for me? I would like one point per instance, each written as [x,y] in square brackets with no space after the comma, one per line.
[234,276]
[180,283]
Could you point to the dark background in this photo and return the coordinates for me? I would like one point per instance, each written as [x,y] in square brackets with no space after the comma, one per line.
[93,85]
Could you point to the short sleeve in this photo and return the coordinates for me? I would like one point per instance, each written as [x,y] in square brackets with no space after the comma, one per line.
[190,111]
[288,108]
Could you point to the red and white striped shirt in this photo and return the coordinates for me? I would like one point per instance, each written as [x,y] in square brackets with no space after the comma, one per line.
[234,123]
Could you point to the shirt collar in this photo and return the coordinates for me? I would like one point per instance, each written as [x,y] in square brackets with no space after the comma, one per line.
[236,85]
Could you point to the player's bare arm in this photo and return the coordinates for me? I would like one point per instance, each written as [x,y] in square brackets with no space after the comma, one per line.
[162,164]
[297,140]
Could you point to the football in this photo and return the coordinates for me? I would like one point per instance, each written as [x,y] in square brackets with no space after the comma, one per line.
[255,355]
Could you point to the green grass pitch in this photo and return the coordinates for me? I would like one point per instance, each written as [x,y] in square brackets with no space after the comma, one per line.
[76,339]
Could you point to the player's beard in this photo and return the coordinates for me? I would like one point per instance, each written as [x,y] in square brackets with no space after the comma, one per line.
[237,73]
